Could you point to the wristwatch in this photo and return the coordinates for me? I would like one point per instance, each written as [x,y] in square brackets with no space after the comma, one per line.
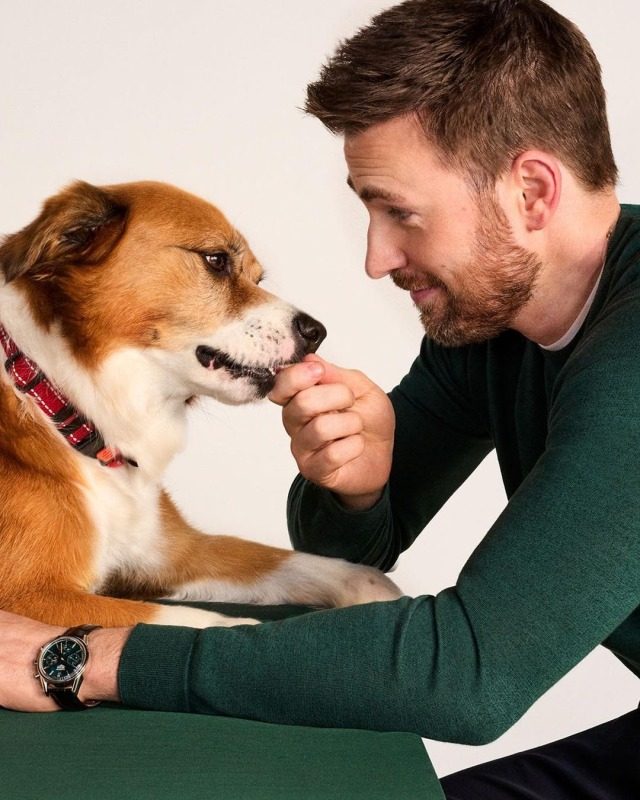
[60,666]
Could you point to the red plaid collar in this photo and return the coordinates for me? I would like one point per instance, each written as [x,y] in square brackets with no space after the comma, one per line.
[79,432]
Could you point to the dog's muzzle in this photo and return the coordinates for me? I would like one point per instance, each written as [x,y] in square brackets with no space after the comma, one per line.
[307,333]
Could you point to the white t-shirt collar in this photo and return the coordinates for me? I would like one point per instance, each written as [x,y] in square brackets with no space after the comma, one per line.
[570,335]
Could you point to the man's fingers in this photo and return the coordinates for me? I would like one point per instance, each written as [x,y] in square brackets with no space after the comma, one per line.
[326,428]
[311,371]
[316,401]
[323,465]
[294,379]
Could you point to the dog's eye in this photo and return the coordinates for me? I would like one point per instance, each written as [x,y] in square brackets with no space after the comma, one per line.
[218,261]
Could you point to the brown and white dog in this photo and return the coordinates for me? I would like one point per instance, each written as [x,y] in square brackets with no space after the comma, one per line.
[119,306]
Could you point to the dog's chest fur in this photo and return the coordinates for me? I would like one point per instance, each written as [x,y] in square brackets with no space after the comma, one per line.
[125,510]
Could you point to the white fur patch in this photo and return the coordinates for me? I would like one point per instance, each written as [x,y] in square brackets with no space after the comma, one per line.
[262,336]
[123,506]
[197,618]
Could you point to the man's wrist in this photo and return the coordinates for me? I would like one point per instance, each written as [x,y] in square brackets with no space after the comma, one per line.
[359,502]
[100,678]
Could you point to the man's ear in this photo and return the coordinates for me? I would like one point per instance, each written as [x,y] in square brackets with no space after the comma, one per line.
[536,179]
[81,225]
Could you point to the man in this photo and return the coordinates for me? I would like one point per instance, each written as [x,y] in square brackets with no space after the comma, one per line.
[476,135]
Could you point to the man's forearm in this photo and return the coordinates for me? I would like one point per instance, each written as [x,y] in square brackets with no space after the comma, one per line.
[101,673]
[23,638]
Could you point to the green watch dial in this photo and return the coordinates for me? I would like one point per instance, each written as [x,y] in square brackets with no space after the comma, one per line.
[63,659]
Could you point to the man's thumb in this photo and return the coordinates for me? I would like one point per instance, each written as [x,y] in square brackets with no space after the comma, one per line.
[332,373]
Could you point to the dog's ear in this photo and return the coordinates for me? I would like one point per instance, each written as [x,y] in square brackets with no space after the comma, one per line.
[82,224]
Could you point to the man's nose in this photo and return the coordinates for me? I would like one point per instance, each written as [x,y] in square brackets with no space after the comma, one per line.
[383,253]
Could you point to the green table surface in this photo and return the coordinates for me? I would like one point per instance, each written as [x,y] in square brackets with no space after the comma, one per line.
[111,753]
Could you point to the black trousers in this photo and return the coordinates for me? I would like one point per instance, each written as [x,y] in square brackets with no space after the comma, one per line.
[602,763]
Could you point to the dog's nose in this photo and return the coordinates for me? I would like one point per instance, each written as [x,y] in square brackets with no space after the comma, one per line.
[312,331]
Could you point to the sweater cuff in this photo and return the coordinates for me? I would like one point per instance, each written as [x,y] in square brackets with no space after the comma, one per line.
[335,508]
[320,524]
[154,667]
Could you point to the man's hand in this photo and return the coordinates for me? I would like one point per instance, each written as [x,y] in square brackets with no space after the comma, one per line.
[22,639]
[341,427]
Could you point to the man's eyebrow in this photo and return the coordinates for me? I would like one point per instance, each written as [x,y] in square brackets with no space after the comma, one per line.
[368,193]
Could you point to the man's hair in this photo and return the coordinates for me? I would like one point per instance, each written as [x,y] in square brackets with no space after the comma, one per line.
[487,80]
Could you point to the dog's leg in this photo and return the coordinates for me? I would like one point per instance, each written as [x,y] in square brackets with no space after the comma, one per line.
[228,569]
[279,576]
[68,608]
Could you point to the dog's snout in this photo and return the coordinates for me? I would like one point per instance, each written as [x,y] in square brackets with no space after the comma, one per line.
[311,331]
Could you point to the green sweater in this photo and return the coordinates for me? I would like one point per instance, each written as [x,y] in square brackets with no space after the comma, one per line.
[555,576]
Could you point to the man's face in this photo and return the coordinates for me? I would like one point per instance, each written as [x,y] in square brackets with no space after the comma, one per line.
[450,248]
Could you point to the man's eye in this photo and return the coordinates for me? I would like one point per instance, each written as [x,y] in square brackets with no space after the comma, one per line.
[398,213]
[218,261]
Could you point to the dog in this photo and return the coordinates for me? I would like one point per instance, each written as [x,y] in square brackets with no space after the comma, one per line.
[121,305]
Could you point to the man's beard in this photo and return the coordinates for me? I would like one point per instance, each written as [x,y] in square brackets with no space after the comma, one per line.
[496,284]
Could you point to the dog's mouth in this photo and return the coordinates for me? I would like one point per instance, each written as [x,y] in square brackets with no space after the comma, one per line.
[216,359]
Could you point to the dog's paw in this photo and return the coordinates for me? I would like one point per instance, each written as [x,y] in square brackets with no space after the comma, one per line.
[230,622]
[364,584]
[330,582]
[198,618]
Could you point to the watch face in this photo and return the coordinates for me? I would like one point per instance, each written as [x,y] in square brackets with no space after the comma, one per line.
[63,659]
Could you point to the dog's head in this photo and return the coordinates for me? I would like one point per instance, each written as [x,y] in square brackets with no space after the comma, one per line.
[148,267]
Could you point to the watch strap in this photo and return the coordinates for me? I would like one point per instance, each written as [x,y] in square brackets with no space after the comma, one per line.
[67,696]
[80,631]
[67,699]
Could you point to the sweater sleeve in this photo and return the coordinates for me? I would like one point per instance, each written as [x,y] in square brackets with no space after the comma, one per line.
[555,575]
[440,439]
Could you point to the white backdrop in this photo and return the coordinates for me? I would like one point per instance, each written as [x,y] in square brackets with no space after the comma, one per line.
[207,94]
